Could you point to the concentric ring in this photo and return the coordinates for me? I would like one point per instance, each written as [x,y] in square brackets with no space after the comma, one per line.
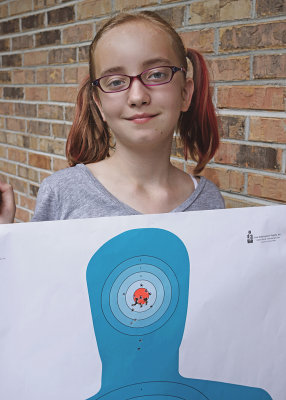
[138,317]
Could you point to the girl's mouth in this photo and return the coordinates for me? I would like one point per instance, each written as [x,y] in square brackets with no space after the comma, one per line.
[141,118]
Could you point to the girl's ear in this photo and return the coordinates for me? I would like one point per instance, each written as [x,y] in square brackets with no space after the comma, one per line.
[99,106]
[187,94]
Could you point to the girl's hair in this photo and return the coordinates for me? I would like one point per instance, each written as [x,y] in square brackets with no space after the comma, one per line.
[89,139]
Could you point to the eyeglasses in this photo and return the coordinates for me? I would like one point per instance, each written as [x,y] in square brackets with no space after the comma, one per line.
[150,77]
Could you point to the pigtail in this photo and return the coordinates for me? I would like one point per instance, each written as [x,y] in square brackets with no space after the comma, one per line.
[89,138]
[198,126]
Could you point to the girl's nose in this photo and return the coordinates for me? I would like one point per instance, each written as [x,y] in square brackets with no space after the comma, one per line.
[138,94]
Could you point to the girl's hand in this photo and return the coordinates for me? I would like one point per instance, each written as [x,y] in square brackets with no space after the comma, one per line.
[7,203]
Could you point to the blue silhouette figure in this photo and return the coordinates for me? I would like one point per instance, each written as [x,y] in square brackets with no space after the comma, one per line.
[138,290]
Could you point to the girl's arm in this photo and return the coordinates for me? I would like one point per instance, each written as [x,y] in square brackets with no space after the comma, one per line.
[7,203]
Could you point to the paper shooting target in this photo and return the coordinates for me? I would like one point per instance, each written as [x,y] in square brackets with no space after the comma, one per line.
[140,295]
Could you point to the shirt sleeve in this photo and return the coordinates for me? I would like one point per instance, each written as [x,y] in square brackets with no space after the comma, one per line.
[46,205]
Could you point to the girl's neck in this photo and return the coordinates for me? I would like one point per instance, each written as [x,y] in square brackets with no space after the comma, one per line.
[146,182]
[142,168]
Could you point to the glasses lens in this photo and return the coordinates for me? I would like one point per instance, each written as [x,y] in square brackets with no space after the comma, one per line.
[114,83]
[157,76]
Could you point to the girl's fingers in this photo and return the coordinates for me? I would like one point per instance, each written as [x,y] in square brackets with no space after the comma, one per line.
[7,203]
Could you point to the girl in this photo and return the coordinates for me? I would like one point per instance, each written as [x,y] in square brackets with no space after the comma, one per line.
[136,96]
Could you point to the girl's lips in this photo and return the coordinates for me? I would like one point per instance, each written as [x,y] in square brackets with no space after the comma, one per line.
[141,118]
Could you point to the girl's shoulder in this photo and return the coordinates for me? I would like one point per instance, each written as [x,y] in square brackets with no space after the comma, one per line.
[205,197]
[210,194]
[63,177]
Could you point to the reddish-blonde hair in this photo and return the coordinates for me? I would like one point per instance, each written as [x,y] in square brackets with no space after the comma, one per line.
[89,139]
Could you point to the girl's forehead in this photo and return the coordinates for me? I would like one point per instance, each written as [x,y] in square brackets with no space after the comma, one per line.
[131,45]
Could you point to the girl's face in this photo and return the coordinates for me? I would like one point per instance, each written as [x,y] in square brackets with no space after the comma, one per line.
[141,115]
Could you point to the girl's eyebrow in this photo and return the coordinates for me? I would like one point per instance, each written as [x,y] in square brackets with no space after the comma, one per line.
[148,63]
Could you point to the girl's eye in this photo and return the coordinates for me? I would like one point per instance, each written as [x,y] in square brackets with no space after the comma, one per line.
[115,82]
[157,75]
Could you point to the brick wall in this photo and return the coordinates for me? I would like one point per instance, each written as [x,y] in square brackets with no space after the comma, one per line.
[44,50]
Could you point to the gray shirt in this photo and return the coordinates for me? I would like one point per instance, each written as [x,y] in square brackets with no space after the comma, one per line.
[75,193]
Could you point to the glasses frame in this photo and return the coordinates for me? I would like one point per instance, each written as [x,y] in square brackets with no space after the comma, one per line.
[174,69]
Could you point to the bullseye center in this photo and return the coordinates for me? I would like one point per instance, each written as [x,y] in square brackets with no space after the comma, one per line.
[141,296]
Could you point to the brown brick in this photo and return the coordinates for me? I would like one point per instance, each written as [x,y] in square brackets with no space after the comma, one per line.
[5,45]
[177,148]
[268,35]
[269,66]
[237,203]
[27,202]
[78,33]
[36,93]
[33,190]
[19,185]
[61,130]
[173,16]
[4,11]
[225,179]
[76,74]
[218,10]
[23,76]
[5,76]
[6,108]
[267,187]
[59,163]
[13,93]
[9,138]
[49,75]
[38,4]
[61,15]
[39,127]
[8,167]
[16,124]
[123,5]
[202,40]
[270,7]
[247,156]
[70,75]
[47,38]
[93,8]
[22,215]
[83,54]
[13,60]
[232,127]
[65,94]
[170,1]
[35,58]
[69,113]
[19,7]
[22,42]
[229,69]
[11,26]
[3,177]
[17,155]
[44,175]
[253,97]
[50,111]
[28,142]
[28,173]
[27,110]
[268,129]
[52,146]
[62,56]
[3,152]
[36,21]
[39,161]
